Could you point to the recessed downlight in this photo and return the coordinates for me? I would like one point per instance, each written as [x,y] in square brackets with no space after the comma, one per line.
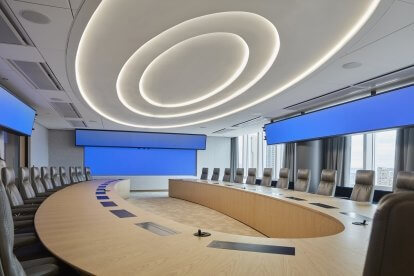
[35,17]
[351,65]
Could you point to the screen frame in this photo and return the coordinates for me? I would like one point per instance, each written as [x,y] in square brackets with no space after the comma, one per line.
[13,131]
[340,104]
[148,132]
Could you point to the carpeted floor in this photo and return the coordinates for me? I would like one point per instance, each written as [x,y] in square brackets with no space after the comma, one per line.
[189,213]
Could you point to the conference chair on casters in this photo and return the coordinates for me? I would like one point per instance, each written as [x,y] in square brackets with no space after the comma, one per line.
[64,179]
[72,175]
[54,177]
[227,175]
[239,175]
[9,263]
[251,176]
[303,180]
[88,174]
[204,174]
[79,174]
[37,184]
[404,182]
[47,182]
[283,182]
[267,177]
[391,242]
[216,174]
[363,190]
[327,185]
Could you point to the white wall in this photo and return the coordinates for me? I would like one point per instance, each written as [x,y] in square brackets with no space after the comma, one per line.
[62,149]
[39,146]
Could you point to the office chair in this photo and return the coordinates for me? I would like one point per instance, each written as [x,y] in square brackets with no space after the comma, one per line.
[47,182]
[391,243]
[283,182]
[404,182]
[303,180]
[327,185]
[267,177]
[239,175]
[88,174]
[227,175]
[37,184]
[251,176]
[216,174]
[54,177]
[204,174]
[64,179]
[72,175]
[363,190]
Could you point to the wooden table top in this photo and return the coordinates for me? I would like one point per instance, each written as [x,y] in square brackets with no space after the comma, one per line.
[78,229]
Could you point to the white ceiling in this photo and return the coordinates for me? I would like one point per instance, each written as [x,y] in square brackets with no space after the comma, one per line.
[307,31]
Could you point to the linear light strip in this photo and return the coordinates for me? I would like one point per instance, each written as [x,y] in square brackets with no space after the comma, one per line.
[298,78]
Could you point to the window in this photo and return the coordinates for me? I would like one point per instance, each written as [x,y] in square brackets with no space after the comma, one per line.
[253,152]
[374,151]
[357,157]
[384,155]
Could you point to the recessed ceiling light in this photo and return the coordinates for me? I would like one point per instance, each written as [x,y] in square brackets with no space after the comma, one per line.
[35,17]
[351,65]
[92,121]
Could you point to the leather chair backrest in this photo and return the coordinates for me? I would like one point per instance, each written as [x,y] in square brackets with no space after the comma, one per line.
[64,179]
[227,175]
[54,176]
[283,182]
[2,165]
[9,262]
[303,180]
[204,174]
[9,181]
[47,182]
[239,175]
[216,174]
[25,186]
[79,174]
[405,182]
[251,176]
[390,249]
[267,177]
[327,185]
[72,175]
[363,190]
[88,174]
[36,181]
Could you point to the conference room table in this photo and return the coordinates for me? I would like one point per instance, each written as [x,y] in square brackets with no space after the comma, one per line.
[91,227]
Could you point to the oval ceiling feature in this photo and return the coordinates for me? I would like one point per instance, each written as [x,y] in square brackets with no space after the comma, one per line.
[173,78]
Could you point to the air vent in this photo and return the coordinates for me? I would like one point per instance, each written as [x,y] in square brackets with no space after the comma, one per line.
[387,81]
[10,33]
[77,123]
[66,110]
[223,130]
[38,74]
[252,122]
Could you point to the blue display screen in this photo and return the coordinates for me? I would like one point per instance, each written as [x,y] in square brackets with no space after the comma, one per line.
[387,110]
[14,114]
[99,138]
[133,161]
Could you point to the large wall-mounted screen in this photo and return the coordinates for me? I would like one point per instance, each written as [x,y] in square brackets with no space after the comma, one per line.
[14,114]
[133,161]
[383,111]
[99,138]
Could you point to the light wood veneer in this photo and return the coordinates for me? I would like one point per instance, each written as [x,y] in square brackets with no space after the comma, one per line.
[76,228]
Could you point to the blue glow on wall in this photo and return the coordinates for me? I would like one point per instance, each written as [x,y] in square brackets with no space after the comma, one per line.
[387,110]
[100,138]
[133,161]
[14,114]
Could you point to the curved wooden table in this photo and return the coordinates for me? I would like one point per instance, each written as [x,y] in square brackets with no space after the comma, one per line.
[78,229]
